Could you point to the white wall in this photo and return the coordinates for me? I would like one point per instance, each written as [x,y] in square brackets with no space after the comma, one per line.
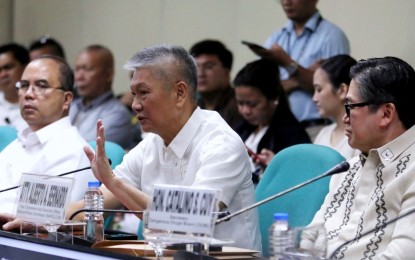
[375,27]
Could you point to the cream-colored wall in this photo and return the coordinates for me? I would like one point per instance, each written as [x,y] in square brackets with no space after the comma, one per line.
[6,18]
[375,27]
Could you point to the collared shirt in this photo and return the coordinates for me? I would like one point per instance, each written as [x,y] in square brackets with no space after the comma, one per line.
[320,39]
[376,189]
[52,150]
[115,117]
[205,153]
[10,115]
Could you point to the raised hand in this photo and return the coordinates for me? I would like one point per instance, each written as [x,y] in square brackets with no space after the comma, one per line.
[98,159]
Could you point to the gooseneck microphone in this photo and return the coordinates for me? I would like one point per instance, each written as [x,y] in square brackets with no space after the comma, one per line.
[59,175]
[106,211]
[344,166]
[371,231]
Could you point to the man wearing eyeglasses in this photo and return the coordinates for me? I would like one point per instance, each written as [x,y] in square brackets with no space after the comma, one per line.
[214,64]
[50,145]
[379,186]
[13,60]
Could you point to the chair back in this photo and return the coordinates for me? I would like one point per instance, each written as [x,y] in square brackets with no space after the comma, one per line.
[7,135]
[113,151]
[288,168]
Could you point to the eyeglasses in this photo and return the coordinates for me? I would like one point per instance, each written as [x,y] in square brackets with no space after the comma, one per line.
[39,87]
[347,107]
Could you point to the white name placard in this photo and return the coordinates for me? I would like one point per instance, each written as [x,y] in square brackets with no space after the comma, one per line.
[43,199]
[183,209]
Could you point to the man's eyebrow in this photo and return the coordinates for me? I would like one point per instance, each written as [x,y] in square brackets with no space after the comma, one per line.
[7,66]
[44,81]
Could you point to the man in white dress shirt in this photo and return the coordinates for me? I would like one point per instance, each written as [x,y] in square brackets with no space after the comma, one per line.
[50,145]
[13,60]
[187,146]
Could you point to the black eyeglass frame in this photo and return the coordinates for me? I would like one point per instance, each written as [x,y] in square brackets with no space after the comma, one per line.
[348,107]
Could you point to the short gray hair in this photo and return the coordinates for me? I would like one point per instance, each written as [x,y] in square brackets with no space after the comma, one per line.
[159,56]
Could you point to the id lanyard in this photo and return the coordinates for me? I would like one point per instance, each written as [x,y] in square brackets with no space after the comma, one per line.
[305,42]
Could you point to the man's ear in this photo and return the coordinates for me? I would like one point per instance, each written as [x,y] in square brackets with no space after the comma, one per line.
[181,92]
[388,113]
[68,97]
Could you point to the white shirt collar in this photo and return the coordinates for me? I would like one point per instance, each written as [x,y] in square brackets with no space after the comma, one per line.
[29,137]
[184,138]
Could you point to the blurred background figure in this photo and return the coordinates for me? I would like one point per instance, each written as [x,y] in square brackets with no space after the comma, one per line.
[13,60]
[298,48]
[331,83]
[269,125]
[46,45]
[94,72]
[214,64]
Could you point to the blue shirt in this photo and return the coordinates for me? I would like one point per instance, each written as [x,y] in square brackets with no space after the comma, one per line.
[115,117]
[320,39]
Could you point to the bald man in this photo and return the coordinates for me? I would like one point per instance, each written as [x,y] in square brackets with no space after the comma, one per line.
[50,144]
[94,73]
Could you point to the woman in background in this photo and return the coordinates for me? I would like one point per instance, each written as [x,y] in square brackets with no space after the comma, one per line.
[331,83]
[269,125]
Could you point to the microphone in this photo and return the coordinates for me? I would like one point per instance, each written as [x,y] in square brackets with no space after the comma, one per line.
[106,211]
[220,214]
[344,166]
[59,175]
[371,231]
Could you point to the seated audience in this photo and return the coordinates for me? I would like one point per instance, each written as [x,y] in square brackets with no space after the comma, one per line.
[331,82]
[269,125]
[379,186]
[94,72]
[214,64]
[50,145]
[46,46]
[13,60]
[187,146]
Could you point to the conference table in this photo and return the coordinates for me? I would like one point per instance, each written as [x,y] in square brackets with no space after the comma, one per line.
[17,246]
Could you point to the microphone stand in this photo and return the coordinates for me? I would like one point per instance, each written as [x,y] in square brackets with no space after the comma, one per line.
[106,211]
[59,175]
[46,176]
[344,166]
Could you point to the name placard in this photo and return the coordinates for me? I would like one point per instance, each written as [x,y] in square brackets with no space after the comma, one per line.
[43,199]
[183,209]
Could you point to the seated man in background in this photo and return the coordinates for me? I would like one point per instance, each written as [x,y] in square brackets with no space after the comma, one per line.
[94,72]
[50,145]
[379,186]
[187,146]
[46,46]
[13,60]
[214,64]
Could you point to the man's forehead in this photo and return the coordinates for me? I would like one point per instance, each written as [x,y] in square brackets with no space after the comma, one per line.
[7,57]
[353,93]
[203,58]
[46,69]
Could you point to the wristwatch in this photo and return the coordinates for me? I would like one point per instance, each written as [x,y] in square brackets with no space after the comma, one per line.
[292,68]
